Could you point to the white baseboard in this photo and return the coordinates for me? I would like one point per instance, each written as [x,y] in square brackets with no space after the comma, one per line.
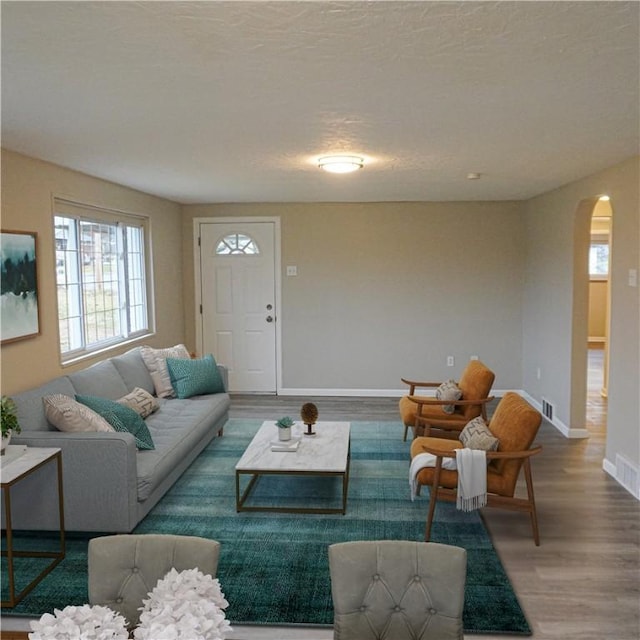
[380,393]
[346,393]
[565,430]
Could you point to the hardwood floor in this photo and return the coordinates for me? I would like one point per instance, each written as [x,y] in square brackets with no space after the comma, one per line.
[583,581]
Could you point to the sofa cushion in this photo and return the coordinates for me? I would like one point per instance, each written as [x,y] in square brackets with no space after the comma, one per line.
[133,370]
[101,379]
[66,414]
[194,377]
[31,415]
[155,359]
[448,390]
[121,418]
[141,401]
[176,429]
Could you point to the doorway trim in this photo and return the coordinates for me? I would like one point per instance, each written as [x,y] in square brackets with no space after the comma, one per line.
[277,279]
[580,311]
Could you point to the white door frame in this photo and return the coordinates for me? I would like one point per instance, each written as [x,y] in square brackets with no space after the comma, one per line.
[277,279]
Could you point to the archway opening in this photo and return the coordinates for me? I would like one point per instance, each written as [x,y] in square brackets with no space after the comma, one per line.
[598,315]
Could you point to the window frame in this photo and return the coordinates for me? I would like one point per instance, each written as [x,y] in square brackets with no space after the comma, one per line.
[600,239]
[121,220]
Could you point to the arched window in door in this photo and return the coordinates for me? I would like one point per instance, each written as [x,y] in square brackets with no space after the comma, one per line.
[237,244]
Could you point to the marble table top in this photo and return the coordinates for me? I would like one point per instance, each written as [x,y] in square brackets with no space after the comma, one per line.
[327,451]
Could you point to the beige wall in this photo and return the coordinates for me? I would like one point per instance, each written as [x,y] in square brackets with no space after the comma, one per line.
[386,290]
[597,308]
[555,303]
[27,189]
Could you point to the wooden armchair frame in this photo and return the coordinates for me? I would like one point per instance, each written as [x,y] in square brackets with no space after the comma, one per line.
[422,414]
[512,503]
[450,424]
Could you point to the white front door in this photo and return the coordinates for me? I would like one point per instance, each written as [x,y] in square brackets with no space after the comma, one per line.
[237,275]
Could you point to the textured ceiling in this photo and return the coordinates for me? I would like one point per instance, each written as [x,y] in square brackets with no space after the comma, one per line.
[234,101]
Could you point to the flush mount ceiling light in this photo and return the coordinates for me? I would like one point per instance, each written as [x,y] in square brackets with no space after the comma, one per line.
[341,164]
[604,198]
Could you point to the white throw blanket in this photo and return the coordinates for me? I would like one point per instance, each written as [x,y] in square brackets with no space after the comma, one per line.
[472,479]
[421,461]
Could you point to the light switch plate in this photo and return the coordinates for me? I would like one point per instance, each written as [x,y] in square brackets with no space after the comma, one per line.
[633,277]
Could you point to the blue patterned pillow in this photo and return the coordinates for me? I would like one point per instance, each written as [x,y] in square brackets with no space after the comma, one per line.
[121,418]
[195,377]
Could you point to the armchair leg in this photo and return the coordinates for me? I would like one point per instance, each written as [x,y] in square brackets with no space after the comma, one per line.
[406,429]
[532,501]
[433,497]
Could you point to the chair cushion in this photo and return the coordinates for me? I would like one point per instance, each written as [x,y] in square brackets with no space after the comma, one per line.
[448,478]
[476,382]
[513,411]
[476,435]
[448,390]
[397,589]
[122,569]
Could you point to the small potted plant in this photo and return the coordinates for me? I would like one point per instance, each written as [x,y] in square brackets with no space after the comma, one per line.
[8,421]
[284,428]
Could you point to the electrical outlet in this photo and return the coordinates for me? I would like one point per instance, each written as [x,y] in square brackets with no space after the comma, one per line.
[450,361]
[474,358]
[538,373]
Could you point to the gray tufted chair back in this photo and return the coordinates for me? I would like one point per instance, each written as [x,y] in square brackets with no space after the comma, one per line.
[123,569]
[397,590]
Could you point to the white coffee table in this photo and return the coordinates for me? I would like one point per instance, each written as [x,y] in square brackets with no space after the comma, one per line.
[325,454]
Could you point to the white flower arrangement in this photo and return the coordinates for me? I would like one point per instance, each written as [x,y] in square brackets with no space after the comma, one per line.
[186,605]
[86,622]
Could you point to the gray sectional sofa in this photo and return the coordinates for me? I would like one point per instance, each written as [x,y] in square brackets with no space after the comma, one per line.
[110,485]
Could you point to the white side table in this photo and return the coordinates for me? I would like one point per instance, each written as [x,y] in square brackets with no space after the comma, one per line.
[33,459]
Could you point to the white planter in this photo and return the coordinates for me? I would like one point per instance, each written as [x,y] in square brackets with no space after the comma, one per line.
[5,440]
[284,433]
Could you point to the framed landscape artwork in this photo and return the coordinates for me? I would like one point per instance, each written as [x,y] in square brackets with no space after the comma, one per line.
[19,316]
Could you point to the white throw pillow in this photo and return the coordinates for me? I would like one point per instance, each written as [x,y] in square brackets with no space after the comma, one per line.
[141,401]
[156,361]
[448,390]
[65,414]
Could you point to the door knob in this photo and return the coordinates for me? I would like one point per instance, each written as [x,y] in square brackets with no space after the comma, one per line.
[269,319]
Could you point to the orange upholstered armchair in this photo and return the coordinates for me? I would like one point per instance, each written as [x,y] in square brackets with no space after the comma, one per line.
[515,424]
[424,413]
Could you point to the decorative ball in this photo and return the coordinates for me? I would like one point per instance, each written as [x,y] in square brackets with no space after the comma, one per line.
[309,413]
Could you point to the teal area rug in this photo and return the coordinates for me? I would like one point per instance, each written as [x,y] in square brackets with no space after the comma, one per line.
[274,567]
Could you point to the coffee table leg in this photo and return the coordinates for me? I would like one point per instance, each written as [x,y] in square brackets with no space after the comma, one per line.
[240,500]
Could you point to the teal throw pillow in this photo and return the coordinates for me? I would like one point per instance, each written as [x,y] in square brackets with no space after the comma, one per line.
[195,377]
[121,418]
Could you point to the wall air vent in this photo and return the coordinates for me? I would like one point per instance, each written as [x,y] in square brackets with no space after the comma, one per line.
[627,474]
[547,409]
